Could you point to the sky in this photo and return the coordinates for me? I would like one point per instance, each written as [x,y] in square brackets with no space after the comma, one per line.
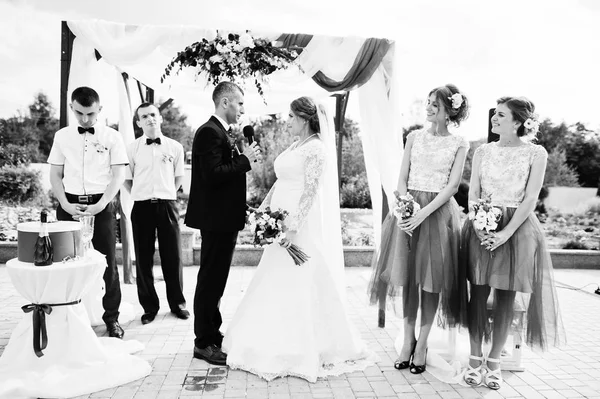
[546,50]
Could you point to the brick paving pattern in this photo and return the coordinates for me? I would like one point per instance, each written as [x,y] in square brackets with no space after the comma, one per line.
[569,372]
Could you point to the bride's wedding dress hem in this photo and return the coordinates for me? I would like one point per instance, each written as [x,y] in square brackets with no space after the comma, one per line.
[326,369]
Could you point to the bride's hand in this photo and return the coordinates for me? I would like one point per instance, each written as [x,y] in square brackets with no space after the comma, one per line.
[290,236]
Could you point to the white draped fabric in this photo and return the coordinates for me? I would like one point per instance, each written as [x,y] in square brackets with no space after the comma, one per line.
[144,51]
[75,361]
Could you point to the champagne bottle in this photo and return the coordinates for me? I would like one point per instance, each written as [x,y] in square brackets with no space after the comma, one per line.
[43,246]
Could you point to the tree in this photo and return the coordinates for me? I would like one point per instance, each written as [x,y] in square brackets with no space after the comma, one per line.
[42,114]
[34,132]
[473,145]
[580,145]
[176,127]
[583,153]
[558,172]
[552,136]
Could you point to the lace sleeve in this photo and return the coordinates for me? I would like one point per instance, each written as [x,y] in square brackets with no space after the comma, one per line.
[539,152]
[314,164]
[267,201]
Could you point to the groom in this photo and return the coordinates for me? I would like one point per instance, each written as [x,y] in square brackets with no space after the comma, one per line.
[217,206]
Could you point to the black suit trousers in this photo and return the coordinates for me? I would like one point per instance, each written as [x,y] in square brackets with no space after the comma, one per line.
[104,241]
[216,253]
[147,220]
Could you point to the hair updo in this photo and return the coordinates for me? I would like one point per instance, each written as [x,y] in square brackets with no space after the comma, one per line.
[306,109]
[444,96]
[521,108]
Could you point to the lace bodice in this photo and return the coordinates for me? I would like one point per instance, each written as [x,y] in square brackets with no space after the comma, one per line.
[504,171]
[298,173]
[431,160]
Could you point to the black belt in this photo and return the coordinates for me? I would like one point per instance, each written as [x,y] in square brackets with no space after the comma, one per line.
[83,199]
[39,322]
[155,201]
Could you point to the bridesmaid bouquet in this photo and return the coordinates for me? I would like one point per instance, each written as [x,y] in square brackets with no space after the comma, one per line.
[406,207]
[268,228]
[484,215]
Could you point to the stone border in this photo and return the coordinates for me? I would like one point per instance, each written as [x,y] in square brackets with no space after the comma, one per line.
[248,255]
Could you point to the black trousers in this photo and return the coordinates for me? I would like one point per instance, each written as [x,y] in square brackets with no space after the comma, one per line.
[216,254]
[148,219]
[104,241]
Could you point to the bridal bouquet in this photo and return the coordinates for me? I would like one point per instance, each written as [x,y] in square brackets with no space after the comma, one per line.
[406,207]
[268,228]
[484,215]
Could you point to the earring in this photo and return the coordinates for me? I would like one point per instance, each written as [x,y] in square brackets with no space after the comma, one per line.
[514,130]
[447,120]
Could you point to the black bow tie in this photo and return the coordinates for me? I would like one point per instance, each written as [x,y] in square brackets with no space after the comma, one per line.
[150,141]
[82,130]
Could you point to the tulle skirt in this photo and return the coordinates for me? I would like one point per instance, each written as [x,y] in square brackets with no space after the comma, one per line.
[522,264]
[428,260]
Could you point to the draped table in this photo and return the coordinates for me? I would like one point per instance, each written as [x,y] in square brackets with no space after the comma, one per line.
[53,352]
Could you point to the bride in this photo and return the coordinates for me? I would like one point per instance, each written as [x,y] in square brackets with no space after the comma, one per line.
[292,320]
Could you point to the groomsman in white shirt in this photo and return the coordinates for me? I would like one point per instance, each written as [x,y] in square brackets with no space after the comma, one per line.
[87,169]
[155,173]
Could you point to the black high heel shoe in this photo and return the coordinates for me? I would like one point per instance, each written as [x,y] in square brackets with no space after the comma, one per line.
[404,364]
[414,369]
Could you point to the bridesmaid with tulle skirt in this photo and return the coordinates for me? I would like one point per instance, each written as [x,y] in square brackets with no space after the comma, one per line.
[418,257]
[513,259]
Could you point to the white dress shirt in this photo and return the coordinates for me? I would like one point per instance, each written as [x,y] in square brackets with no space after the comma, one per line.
[154,167]
[87,158]
[225,124]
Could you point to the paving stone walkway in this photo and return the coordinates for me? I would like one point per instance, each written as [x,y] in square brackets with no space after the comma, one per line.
[570,372]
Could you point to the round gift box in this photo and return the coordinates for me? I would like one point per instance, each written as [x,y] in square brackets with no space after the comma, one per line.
[65,237]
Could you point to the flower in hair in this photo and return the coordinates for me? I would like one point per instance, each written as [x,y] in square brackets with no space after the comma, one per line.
[457,100]
[532,124]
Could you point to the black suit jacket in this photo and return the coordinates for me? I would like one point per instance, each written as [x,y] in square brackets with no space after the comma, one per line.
[218,189]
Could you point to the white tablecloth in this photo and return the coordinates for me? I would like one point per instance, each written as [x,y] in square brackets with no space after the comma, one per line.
[75,361]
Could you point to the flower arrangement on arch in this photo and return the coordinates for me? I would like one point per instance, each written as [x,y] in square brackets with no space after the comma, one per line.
[233,57]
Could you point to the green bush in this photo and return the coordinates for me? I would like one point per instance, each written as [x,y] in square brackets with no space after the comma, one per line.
[19,184]
[273,137]
[355,192]
[576,244]
[17,155]
[558,172]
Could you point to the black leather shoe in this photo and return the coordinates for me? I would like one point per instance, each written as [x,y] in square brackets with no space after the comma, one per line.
[211,354]
[148,318]
[181,314]
[114,330]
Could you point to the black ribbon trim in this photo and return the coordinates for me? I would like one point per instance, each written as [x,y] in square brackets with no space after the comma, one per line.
[40,310]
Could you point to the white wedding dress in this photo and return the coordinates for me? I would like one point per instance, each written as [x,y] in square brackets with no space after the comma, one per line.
[292,320]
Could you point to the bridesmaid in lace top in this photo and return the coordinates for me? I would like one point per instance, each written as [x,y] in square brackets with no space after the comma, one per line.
[419,256]
[514,259]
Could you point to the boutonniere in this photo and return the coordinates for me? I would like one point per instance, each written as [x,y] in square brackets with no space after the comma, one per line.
[232,138]
[100,148]
[166,158]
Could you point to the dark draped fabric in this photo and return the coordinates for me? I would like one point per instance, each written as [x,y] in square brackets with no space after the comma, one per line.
[296,41]
[367,60]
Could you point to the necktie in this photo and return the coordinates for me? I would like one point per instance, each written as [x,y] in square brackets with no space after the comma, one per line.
[150,141]
[82,130]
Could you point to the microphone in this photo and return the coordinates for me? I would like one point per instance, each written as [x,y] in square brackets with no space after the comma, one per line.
[249,133]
